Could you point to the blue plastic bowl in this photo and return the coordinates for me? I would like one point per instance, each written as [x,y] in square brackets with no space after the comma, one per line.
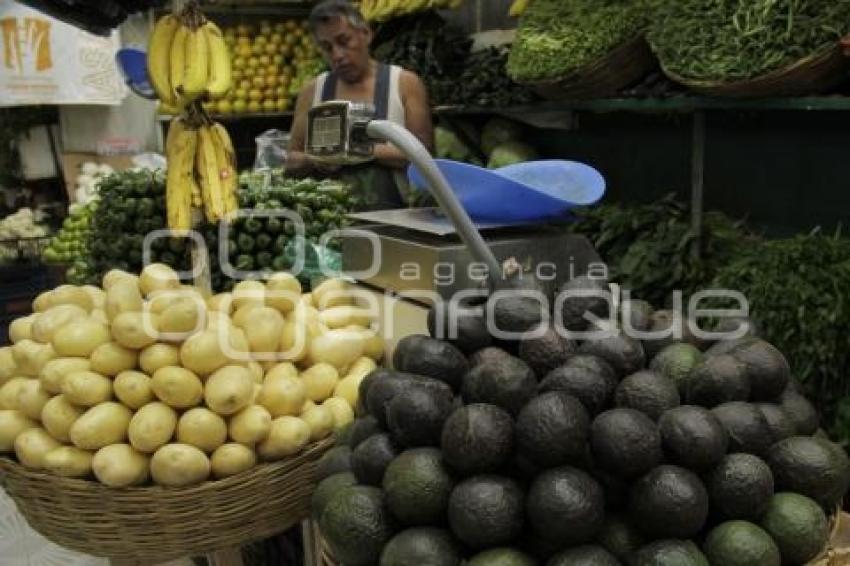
[525,192]
[134,66]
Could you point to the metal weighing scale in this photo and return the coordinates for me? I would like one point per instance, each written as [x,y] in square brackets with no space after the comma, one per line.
[426,251]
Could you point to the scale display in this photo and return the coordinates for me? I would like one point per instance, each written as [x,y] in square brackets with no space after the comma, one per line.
[326,133]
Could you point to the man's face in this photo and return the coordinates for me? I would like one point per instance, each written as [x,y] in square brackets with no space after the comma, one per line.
[345,48]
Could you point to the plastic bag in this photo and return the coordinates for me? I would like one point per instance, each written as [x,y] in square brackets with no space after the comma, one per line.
[271,150]
[319,261]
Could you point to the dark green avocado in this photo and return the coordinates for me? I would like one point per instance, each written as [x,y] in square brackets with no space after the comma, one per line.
[546,352]
[692,437]
[552,429]
[717,380]
[625,442]
[486,511]
[740,487]
[593,389]
[432,358]
[478,438]
[648,392]
[508,383]
[669,502]
[465,327]
[566,505]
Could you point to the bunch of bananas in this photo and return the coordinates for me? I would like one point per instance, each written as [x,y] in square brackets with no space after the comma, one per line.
[201,171]
[383,10]
[188,60]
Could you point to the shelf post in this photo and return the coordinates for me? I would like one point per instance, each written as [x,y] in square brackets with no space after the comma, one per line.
[697,177]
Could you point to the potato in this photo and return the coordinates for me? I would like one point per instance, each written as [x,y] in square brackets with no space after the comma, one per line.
[203,353]
[120,465]
[240,349]
[32,445]
[72,295]
[87,388]
[32,398]
[339,348]
[157,277]
[332,293]
[342,412]
[257,371]
[308,404]
[42,302]
[69,462]
[287,436]
[264,330]
[283,396]
[9,392]
[99,315]
[283,291]
[114,276]
[101,426]
[8,367]
[348,388]
[363,366]
[202,428]
[307,300]
[179,465]
[158,356]
[320,419]
[152,426]
[183,317]
[222,302]
[320,381]
[21,328]
[112,358]
[135,330]
[80,338]
[340,317]
[250,425]
[248,292]
[30,357]
[244,314]
[177,387]
[98,296]
[133,388]
[374,346]
[58,416]
[53,373]
[294,340]
[13,423]
[121,297]
[255,398]
[231,459]
[229,389]
[283,369]
[54,318]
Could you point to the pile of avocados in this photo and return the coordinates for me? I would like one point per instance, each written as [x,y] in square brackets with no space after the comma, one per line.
[553,452]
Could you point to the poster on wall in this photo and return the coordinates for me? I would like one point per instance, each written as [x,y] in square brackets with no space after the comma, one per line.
[46,61]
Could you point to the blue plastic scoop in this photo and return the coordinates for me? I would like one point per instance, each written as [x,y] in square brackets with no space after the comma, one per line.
[524,192]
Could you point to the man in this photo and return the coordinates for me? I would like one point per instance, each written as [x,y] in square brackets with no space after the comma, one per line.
[344,38]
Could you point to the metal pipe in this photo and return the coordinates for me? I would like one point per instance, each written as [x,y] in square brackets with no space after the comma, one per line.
[410,146]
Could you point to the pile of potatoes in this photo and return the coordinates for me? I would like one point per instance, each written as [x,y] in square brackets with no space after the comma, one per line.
[146,379]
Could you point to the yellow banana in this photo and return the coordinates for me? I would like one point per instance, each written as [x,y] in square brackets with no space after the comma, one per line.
[197,64]
[220,71]
[518,8]
[159,57]
[197,199]
[177,61]
[181,146]
[367,8]
[225,156]
[209,176]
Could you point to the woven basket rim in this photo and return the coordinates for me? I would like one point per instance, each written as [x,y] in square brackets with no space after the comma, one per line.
[598,62]
[9,463]
[809,60]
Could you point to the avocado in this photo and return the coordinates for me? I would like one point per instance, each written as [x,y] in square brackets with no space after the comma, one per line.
[669,502]
[716,380]
[417,485]
[625,442]
[692,437]
[362,428]
[465,327]
[675,362]
[741,543]
[342,435]
[812,467]
[415,416]
[508,383]
[389,383]
[594,364]
[547,352]
[766,368]
[800,411]
[477,439]
[625,354]
[638,313]
[404,347]
[594,390]
[334,461]
[740,487]
[566,505]
[363,388]
[371,458]
[356,525]
[552,429]
[746,427]
[663,320]
[422,545]
[515,312]
[797,525]
[486,511]
[777,419]
[722,347]
[732,324]
[326,489]
[619,537]
[586,555]
[670,552]
[502,556]
[616,487]
[432,358]
[487,355]
[574,306]
[648,392]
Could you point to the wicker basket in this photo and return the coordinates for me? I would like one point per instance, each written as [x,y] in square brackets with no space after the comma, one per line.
[155,524]
[607,75]
[811,75]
